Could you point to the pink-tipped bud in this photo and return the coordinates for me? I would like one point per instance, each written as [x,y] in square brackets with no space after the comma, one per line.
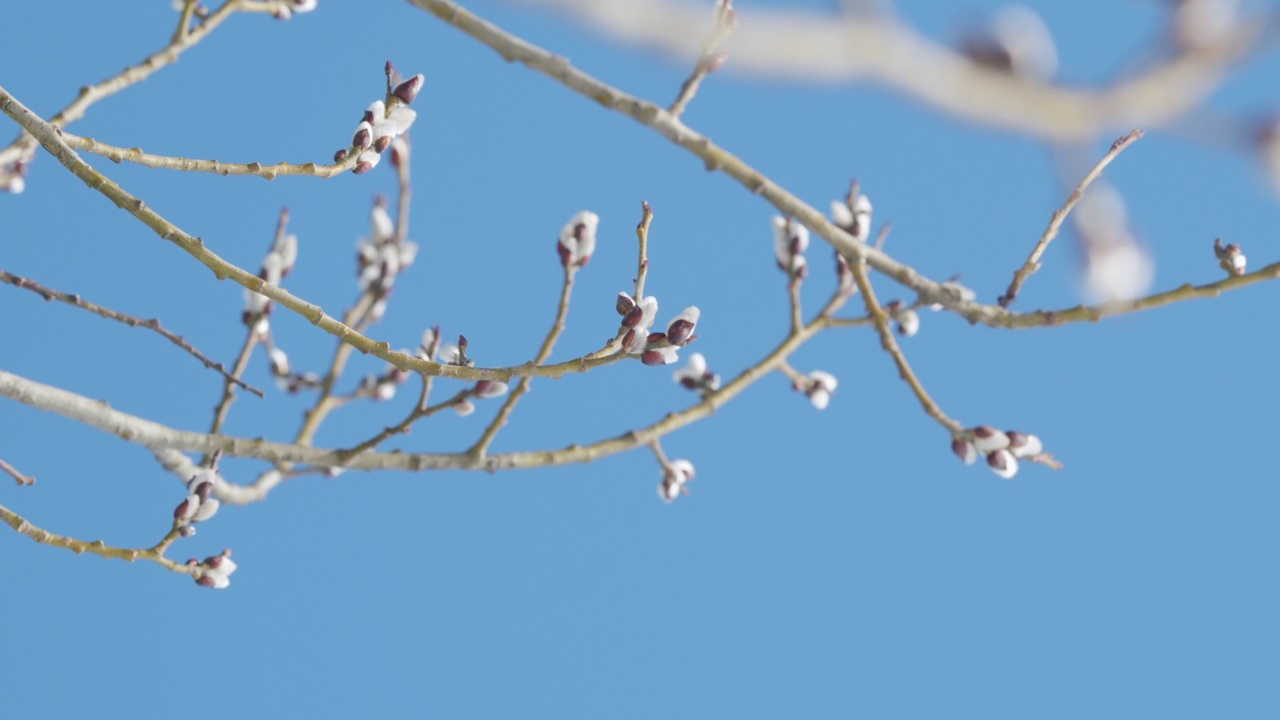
[964,450]
[987,439]
[625,304]
[340,155]
[363,136]
[408,90]
[1024,445]
[1003,463]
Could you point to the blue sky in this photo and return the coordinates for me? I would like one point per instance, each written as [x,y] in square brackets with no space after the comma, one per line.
[826,564]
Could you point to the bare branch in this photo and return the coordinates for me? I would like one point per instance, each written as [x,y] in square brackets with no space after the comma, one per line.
[1055,222]
[270,172]
[13,472]
[99,310]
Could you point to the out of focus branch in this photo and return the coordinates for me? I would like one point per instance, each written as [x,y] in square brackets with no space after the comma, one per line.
[807,45]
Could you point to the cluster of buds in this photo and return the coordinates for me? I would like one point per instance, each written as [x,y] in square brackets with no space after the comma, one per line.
[1016,42]
[214,571]
[276,265]
[818,386]
[905,319]
[381,257]
[1230,257]
[383,121]
[790,240]
[199,505]
[696,376]
[675,475]
[1002,449]
[654,348]
[451,354]
[578,240]
[13,177]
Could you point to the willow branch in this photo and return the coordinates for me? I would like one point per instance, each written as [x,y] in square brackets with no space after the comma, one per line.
[155,553]
[890,345]
[165,162]
[1059,216]
[131,321]
[544,352]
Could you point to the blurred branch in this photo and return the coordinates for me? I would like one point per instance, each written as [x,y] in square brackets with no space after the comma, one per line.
[270,172]
[1055,222]
[152,324]
[806,45]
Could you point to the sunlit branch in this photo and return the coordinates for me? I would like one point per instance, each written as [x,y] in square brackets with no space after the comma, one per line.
[99,310]
[1055,222]
[165,162]
[154,553]
[548,344]
[890,345]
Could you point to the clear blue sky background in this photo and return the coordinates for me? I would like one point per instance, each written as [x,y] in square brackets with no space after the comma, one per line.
[834,564]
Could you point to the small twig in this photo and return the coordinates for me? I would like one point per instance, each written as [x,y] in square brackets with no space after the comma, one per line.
[1059,216]
[642,235]
[709,61]
[154,553]
[165,162]
[544,352]
[22,479]
[131,321]
[793,293]
[420,411]
[890,345]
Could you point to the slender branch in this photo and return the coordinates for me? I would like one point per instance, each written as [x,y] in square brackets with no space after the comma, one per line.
[642,236]
[793,295]
[229,389]
[1055,222]
[16,475]
[154,553]
[165,162]
[544,352]
[890,345]
[708,61]
[99,310]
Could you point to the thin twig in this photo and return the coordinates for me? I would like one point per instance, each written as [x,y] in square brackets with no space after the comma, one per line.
[708,61]
[481,446]
[13,471]
[154,553]
[1055,222]
[165,162]
[890,345]
[99,310]
[642,236]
